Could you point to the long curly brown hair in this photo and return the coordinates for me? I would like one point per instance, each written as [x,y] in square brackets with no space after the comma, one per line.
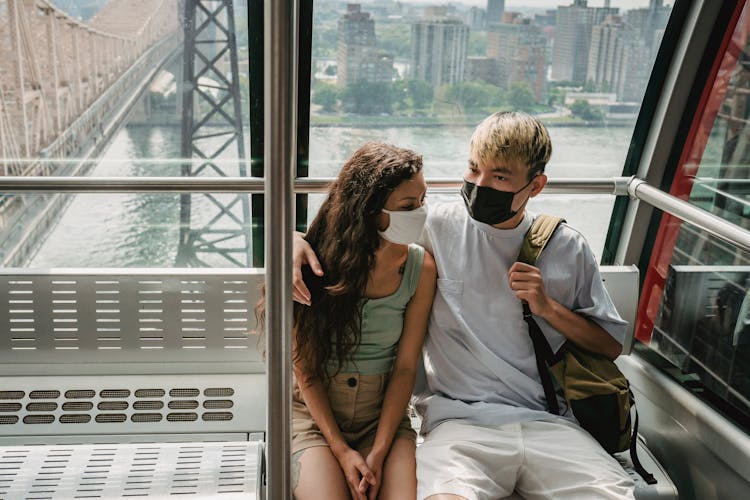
[344,235]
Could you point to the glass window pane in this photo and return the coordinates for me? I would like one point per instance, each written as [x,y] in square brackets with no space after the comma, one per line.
[703,323]
[115,88]
[715,173]
[422,77]
[695,304]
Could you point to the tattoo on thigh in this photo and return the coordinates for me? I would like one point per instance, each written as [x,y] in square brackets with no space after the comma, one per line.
[296,469]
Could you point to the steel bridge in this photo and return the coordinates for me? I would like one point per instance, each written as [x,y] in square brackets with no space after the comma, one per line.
[55,69]
[67,86]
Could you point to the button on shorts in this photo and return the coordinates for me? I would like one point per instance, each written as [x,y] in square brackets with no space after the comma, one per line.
[356,401]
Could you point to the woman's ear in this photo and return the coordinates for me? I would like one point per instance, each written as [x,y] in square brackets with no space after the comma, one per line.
[382,221]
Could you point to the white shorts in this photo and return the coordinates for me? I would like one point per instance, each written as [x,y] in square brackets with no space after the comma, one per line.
[546,459]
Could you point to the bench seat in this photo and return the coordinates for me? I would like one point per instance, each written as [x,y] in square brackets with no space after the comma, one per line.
[150,383]
[664,489]
[118,383]
[222,470]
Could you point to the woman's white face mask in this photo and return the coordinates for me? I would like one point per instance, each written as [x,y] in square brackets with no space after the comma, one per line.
[405,226]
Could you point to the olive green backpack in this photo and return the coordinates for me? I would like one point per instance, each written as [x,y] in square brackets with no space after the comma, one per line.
[596,391]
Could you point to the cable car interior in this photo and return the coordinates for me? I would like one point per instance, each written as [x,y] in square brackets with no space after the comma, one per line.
[145,376]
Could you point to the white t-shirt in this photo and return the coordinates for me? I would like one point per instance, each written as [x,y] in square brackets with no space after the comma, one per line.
[479,363]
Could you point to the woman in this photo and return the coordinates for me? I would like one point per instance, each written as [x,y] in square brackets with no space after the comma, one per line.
[357,345]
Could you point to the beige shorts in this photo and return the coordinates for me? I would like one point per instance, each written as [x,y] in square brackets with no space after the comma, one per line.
[356,401]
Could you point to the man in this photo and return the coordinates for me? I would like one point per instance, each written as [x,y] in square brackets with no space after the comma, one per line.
[487,431]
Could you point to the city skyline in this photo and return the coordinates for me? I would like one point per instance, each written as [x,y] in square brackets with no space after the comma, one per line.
[540,4]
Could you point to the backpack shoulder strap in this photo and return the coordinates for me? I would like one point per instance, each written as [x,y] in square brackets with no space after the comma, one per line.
[533,243]
[537,237]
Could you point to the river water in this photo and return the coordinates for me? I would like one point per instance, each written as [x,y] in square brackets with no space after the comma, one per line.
[142,230]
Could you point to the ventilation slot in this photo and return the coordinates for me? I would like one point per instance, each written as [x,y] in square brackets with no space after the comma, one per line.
[217,416]
[113,405]
[184,393]
[41,407]
[44,394]
[148,405]
[80,418]
[114,393]
[218,392]
[111,418]
[149,393]
[80,394]
[9,407]
[183,405]
[217,404]
[182,417]
[12,394]
[38,419]
[146,417]
[8,419]
[77,406]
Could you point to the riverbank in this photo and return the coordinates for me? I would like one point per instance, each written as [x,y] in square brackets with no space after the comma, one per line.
[360,121]
[377,121]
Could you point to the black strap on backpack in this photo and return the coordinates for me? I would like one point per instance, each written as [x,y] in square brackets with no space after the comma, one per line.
[534,242]
[637,465]
[544,358]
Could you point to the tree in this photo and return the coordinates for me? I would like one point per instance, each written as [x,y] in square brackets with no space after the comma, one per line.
[520,97]
[368,98]
[420,93]
[472,95]
[399,94]
[583,110]
[326,95]
[555,95]
[414,94]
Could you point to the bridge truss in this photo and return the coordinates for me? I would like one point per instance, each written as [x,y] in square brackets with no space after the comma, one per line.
[219,232]
[65,89]
[54,68]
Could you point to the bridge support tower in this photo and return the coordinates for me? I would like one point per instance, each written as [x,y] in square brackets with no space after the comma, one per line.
[214,228]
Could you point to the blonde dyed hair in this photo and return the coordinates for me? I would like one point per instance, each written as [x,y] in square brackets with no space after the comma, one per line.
[512,136]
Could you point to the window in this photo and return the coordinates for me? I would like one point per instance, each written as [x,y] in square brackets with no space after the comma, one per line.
[441,70]
[695,295]
[100,88]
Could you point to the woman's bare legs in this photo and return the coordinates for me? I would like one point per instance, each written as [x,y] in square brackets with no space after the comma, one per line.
[320,476]
[400,471]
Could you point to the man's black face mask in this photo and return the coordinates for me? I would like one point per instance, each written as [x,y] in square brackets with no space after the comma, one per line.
[488,205]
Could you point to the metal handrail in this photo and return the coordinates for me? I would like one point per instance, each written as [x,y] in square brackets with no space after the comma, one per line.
[731,233]
[52,184]
[618,186]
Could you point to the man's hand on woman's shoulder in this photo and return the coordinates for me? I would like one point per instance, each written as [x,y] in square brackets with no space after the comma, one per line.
[303,254]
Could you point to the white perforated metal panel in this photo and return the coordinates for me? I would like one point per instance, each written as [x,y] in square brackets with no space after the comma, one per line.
[142,315]
[198,470]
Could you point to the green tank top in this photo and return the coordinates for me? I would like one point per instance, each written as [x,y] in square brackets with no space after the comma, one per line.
[382,323]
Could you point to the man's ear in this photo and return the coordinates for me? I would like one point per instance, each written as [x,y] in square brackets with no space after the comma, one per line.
[537,184]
